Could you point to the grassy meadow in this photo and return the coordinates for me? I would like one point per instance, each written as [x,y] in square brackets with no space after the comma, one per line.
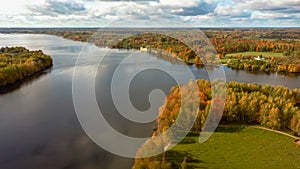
[256,54]
[238,147]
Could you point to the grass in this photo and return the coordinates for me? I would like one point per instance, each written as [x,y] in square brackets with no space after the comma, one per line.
[238,147]
[256,54]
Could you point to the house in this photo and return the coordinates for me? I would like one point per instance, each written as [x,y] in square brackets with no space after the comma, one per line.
[260,58]
[143,49]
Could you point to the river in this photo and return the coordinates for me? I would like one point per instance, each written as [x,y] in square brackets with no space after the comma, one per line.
[38,124]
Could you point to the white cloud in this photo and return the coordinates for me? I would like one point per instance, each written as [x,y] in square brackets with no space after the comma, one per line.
[179,3]
[149,13]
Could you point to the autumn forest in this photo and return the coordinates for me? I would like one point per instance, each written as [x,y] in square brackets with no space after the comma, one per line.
[17,63]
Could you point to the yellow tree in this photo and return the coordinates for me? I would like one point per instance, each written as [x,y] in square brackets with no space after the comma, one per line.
[295,123]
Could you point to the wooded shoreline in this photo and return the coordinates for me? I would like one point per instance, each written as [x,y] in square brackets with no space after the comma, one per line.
[18,63]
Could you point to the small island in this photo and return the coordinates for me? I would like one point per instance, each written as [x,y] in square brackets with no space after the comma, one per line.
[17,63]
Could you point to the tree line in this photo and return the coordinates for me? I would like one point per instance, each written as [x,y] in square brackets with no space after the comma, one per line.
[230,45]
[17,63]
[270,106]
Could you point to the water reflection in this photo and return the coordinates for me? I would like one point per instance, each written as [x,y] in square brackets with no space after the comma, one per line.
[292,75]
[25,82]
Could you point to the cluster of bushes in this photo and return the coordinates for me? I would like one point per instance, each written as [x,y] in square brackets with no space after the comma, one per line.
[272,107]
[17,63]
[291,68]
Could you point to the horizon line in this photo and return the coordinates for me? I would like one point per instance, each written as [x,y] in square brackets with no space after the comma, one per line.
[99,27]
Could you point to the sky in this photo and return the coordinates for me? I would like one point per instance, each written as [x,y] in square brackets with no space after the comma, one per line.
[150,13]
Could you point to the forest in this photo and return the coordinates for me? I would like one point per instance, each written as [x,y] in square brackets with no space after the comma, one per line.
[17,63]
[273,107]
[270,106]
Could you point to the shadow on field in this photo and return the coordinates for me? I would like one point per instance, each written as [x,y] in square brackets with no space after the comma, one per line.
[230,128]
[192,134]
[178,157]
[188,140]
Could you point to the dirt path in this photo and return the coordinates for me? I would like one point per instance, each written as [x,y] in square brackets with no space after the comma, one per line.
[276,131]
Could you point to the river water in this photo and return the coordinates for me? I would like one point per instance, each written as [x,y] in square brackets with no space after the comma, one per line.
[38,124]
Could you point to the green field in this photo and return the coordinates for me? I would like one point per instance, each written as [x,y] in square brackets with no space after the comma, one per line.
[256,54]
[238,147]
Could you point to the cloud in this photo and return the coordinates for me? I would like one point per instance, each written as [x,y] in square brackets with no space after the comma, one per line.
[274,16]
[51,7]
[198,8]
[174,7]
[126,0]
[232,12]
[273,12]
[257,13]
[155,12]
[287,6]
